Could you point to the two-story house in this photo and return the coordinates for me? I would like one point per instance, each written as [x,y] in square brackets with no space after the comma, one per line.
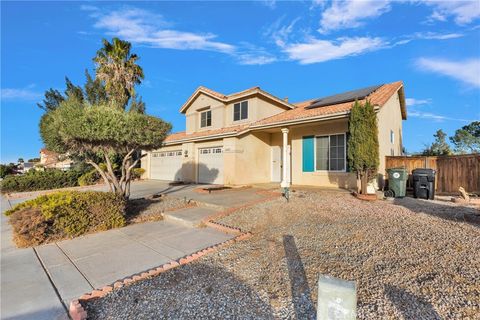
[253,136]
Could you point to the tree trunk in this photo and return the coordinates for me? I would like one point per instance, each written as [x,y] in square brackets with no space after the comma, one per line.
[364,182]
[102,174]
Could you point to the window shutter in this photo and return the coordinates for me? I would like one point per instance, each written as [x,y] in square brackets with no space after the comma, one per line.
[307,154]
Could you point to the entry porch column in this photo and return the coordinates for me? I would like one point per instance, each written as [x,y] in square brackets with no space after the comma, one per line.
[285,183]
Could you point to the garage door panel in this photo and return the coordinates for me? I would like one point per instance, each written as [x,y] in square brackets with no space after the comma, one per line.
[166,165]
[210,165]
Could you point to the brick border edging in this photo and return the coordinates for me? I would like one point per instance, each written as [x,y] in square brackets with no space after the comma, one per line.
[76,310]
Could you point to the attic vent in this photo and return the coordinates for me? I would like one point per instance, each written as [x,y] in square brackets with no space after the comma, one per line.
[344,97]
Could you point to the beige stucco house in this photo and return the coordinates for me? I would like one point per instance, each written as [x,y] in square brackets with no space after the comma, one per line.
[52,160]
[253,137]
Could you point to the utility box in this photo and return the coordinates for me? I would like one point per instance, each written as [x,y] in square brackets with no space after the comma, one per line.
[397,182]
[424,183]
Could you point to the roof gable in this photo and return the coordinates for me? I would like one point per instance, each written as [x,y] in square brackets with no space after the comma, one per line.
[234,96]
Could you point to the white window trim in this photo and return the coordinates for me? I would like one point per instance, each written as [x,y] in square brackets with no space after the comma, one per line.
[233,111]
[344,151]
[200,119]
[392,137]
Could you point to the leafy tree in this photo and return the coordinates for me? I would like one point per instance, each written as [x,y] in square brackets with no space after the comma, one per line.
[363,148]
[118,69]
[137,105]
[73,91]
[94,90]
[439,147]
[6,169]
[467,139]
[20,160]
[34,160]
[99,133]
[52,100]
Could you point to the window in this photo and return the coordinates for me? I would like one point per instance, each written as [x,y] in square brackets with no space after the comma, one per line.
[206,119]
[392,136]
[240,111]
[330,153]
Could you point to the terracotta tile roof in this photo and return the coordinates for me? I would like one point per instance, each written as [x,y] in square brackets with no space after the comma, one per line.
[378,98]
[212,92]
[183,135]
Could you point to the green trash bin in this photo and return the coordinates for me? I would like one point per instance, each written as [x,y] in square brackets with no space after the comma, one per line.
[397,182]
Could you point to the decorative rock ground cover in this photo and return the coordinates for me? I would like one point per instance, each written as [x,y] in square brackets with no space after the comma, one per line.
[152,209]
[412,259]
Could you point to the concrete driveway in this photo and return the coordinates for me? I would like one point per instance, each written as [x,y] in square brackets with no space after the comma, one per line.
[37,283]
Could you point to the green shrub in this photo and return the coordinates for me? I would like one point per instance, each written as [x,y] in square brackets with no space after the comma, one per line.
[137,173]
[41,180]
[65,214]
[89,178]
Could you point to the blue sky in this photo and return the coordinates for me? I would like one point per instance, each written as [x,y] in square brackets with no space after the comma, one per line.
[299,50]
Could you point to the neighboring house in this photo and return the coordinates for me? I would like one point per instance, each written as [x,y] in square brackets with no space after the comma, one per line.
[254,137]
[51,159]
[24,167]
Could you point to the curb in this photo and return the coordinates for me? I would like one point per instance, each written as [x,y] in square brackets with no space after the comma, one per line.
[76,310]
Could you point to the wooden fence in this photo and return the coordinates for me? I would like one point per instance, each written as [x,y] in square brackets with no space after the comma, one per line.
[452,172]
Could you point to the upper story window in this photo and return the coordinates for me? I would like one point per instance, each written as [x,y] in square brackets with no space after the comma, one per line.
[240,111]
[392,136]
[206,119]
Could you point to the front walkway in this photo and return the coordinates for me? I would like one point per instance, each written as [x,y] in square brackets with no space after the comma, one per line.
[34,281]
[80,265]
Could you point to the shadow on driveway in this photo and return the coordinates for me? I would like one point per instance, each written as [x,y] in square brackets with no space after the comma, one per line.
[301,294]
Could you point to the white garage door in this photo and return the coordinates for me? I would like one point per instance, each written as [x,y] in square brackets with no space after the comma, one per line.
[210,165]
[166,165]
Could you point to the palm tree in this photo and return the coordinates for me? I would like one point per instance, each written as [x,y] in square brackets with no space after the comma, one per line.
[117,67]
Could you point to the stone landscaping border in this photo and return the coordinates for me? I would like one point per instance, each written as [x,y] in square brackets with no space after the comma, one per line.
[76,310]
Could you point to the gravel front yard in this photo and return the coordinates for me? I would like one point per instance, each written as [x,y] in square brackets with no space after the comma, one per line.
[412,259]
[151,209]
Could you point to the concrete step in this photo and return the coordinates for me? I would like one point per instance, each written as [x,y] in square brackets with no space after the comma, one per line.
[191,217]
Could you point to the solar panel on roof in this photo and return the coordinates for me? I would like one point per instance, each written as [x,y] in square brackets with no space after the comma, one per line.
[343,97]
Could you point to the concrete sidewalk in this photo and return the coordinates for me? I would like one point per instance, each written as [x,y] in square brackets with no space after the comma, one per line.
[35,281]
[82,264]
[26,291]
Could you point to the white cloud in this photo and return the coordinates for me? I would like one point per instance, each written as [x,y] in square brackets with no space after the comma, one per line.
[467,71]
[434,117]
[143,27]
[146,28]
[272,4]
[437,36]
[87,7]
[25,94]
[463,12]
[350,14]
[279,33]
[427,36]
[411,102]
[255,59]
[315,50]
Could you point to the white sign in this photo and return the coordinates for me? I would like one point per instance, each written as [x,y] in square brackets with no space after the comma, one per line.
[337,299]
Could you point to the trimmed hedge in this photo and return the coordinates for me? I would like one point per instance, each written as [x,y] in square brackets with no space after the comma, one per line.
[65,214]
[89,178]
[137,173]
[41,180]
